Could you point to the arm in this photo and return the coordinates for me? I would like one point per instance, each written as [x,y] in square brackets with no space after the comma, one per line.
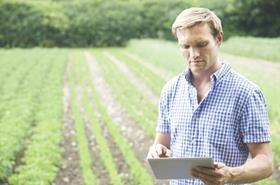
[163,139]
[161,146]
[259,167]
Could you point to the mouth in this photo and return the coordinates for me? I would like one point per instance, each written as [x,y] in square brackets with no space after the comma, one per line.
[196,61]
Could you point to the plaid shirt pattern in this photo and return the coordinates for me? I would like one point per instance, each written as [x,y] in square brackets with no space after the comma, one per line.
[232,114]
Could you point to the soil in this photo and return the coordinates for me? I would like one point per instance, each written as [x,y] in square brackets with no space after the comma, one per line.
[70,172]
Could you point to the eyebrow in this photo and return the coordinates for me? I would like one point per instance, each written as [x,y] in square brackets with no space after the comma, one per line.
[195,42]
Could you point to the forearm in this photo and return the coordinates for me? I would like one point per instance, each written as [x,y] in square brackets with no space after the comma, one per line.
[163,139]
[253,170]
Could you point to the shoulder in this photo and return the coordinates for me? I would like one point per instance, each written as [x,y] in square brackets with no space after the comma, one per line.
[241,84]
[170,87]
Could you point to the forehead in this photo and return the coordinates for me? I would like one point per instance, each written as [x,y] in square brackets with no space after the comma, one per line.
[198,32]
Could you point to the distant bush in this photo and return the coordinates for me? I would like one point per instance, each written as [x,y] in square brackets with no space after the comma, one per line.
[26,24]
[257,18]
[84,23]
[107,23]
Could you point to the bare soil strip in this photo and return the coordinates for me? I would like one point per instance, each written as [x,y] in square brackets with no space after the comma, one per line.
[257,64]
[98,168]
[148,94]
[70,172]
[165,75]
[134,133]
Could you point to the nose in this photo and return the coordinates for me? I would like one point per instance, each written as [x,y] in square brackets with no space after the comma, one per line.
[194,53]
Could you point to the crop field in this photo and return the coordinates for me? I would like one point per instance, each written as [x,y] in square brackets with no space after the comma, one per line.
[88,116]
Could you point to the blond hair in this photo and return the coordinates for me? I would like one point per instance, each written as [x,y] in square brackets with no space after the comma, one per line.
[191,16]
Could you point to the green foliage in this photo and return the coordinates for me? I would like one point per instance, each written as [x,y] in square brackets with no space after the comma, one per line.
[18,102]
[31,93]
[113,22]
[101,23]
[157,17]
[26,24]
[84,23]
[254,17]
[262,48]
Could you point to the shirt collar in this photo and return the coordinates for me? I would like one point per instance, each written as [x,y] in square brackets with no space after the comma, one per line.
[217,76]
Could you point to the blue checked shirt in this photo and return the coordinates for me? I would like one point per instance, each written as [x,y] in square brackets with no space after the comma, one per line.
[232,114]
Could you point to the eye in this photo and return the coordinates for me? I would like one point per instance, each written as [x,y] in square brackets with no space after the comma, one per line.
[185,46]
[202,44]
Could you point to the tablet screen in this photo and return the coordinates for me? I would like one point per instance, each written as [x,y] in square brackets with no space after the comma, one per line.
[177,168]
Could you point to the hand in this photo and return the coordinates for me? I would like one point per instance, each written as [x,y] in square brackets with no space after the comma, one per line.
[218,175]
[159,150]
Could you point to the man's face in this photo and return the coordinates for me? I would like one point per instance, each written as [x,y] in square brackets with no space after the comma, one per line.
[199,47]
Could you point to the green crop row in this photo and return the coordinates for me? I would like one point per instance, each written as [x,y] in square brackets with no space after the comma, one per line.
[13,79]
[10,64]
[83,148]
[129,96]
[20,101]
[261,48]
[163,54]
[105,153]
[154,82]
[43,153]
[138,172]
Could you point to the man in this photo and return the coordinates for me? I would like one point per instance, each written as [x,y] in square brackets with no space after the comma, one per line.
[210,110]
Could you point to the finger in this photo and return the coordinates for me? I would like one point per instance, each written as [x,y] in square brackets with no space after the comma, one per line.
[159,149]
[168,153]
[207,179]
[208,172]
[154,154]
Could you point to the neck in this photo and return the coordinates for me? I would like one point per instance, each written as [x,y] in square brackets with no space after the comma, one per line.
[202,77]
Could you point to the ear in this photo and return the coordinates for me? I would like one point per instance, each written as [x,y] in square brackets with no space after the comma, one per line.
[219,39]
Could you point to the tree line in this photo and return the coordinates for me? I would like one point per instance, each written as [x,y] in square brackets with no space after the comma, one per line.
[85,23]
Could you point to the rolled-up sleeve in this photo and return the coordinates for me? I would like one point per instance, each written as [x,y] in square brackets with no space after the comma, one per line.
[163,123]
[255,121]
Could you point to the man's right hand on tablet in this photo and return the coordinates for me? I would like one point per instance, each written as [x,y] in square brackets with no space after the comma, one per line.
[159,150]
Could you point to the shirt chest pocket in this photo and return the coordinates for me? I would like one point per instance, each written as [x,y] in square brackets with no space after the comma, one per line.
[220,127]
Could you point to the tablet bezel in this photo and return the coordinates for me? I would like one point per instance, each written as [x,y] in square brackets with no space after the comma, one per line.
[177,168]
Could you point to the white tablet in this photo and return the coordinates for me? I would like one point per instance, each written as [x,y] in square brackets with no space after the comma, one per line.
[177,168]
